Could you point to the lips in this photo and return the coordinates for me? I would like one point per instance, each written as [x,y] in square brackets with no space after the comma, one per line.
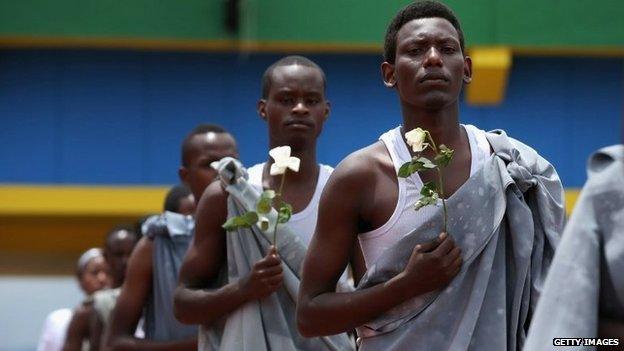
[434,76]
[298,123]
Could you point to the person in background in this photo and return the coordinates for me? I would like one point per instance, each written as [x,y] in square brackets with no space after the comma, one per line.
[118,245]
[154,265]
[91,273]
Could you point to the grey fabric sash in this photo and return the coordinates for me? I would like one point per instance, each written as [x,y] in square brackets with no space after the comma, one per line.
[268,324]
[171,234]
[507,219]
[585,279]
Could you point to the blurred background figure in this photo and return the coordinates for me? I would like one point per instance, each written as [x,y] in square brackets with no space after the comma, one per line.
[90,317]
[92,275]
[583,296]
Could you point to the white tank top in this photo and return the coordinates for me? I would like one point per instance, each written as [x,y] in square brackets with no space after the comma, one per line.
[405,218]
[303,222]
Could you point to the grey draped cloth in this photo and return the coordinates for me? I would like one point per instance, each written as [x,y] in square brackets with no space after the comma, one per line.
[268,324]
[507,219]
[586,279]
[171,234]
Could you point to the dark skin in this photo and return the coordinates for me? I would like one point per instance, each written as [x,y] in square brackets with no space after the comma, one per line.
[119,246]
[197,174]
[94,277]
[295,110]
[361,194]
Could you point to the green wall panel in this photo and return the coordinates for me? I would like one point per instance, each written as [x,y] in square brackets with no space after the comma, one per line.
[150,19]
[545,23]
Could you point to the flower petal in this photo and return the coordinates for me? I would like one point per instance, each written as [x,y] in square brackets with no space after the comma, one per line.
[280,153]
[277,170]
[293,163]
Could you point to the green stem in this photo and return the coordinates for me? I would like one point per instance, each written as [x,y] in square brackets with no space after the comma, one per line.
[433,144]
[441,188]
[278,196]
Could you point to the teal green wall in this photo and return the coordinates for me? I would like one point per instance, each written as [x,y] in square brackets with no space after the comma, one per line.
[570,23]
[149,19]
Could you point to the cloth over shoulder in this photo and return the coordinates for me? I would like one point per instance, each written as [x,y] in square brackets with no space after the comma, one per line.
[586,279]
[507,219]
[268,324]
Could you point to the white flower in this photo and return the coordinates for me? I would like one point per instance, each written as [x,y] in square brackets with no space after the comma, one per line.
[263,223]
[283,160]
[416,139]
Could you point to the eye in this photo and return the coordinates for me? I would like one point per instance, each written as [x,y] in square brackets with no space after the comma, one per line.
[312,101]
[287,100]
[415,51]
[449,50]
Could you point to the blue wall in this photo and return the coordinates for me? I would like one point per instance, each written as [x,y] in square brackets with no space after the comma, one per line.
[115,117]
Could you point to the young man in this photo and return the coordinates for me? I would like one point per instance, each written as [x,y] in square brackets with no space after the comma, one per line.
[414,290]
[294,106]
[154,265]
[118,246]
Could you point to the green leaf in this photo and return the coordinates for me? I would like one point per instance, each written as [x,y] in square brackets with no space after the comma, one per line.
[429,189]
[425,201]
[405,170]
[264,204]
[284,213]
[250,218]
[234,223]
[444,157]
[425,163]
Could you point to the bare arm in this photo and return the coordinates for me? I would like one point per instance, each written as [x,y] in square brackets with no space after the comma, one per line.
[431,265]
[96,328]
[129,307]
[195,300]
[78,329]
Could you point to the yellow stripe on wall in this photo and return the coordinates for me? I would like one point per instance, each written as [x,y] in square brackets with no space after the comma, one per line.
[125,201]
[39,200]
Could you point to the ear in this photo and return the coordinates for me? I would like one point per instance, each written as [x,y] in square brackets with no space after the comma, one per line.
[182,174]
[327,109]
[261,108]
[467,70]
[387,73]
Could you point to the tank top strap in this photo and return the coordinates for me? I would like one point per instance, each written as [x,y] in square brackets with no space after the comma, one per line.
[396,147]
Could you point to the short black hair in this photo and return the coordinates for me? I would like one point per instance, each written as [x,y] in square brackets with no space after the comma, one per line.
[267,77]
[416,10]
[119,228]
[200,129]
[175,194]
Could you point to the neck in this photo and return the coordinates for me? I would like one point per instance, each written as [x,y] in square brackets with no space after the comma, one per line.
[442,124]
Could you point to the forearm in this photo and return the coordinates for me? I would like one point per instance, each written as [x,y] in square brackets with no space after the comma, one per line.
[204,306]
[129,343]
[333,313]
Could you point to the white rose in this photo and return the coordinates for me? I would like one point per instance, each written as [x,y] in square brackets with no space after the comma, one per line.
[283,160]
[416,139]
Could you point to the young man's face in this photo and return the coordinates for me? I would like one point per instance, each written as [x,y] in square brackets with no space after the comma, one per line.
[429,68]
[206,148]
[117,252]
[295,108]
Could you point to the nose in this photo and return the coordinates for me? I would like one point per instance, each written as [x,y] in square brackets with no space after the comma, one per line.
[300,107]
[432,58]
[102,277]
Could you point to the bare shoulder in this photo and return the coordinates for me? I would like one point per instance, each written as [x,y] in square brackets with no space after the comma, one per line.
[360,167]
[213,204]
[141,258]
